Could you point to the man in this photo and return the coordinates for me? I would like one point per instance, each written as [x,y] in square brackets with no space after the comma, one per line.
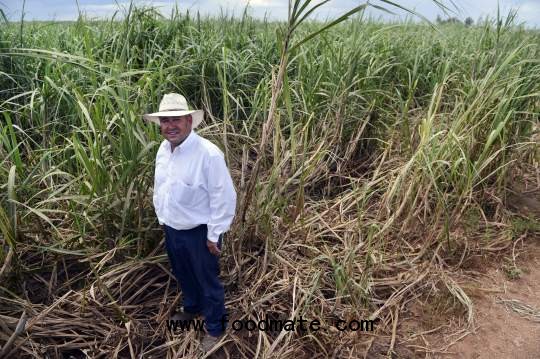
[195,202]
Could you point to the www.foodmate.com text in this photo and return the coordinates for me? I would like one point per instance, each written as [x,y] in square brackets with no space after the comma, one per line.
[267,324]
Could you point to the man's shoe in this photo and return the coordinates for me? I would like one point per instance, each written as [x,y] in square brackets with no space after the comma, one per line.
[208,342]
[184,316]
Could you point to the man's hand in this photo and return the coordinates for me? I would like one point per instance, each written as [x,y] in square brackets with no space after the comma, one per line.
[213,248]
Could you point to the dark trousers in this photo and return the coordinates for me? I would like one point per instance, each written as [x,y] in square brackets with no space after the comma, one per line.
[197,270]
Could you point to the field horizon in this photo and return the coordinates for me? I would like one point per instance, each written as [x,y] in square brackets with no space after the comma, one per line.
[375,165]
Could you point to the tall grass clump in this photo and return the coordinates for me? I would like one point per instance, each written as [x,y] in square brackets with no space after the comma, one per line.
[359,155]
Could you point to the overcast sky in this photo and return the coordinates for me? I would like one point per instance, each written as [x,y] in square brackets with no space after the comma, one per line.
[528,10]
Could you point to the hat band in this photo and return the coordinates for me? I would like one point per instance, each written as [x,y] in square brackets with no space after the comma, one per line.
[174,109]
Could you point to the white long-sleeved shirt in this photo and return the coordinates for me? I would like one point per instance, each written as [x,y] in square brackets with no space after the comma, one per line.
[193,186]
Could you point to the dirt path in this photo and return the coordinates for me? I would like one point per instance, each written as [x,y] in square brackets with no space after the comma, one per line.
[501,332]
[501,294]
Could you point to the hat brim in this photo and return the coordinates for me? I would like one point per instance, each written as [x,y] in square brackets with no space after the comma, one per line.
[196,115]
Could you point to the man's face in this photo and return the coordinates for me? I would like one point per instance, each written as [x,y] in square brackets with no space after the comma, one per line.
[175,129]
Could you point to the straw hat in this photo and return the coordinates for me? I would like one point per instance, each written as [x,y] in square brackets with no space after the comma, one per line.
[173,105]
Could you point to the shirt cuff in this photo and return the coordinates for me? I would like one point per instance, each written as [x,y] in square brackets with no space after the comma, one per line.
[212,237]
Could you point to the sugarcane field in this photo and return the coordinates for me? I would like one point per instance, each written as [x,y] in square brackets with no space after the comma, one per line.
[282,179]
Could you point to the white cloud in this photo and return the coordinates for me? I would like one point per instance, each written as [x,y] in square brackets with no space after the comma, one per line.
[529,12]
[263,3]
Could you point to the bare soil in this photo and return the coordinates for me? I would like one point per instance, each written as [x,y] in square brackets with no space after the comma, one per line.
[500,329]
